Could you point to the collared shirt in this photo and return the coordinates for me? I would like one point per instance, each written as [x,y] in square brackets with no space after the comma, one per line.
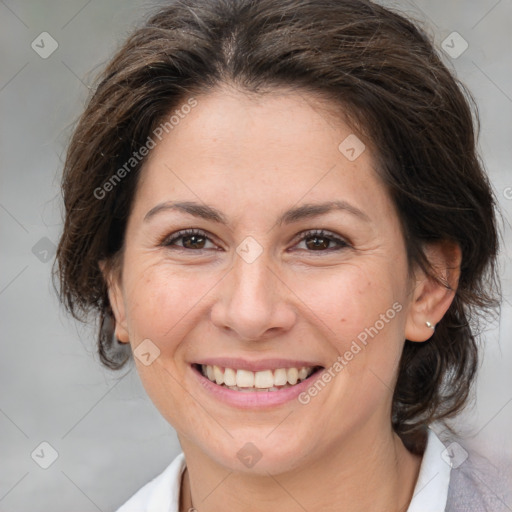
[162,494]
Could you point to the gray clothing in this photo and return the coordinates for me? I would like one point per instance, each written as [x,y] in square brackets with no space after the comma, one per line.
[479,487]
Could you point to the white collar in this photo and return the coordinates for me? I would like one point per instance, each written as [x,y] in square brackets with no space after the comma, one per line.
[431,490]
[162,494]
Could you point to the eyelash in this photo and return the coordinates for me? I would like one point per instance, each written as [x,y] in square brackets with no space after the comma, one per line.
[320,233]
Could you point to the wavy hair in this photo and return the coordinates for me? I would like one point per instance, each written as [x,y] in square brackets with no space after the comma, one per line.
[383,73]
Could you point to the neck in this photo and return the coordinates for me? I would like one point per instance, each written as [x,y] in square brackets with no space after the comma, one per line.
[354,477]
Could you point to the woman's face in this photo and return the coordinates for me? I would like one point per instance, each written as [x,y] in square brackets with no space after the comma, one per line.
[253,289]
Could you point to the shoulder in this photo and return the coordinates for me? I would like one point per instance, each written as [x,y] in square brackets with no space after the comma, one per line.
[161,494]
[479,486]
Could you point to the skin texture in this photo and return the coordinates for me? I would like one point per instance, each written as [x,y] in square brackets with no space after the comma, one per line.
[252,158]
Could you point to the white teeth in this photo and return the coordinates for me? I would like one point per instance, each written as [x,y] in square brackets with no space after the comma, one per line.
[303,373]
[293,375]
[244,379]
[250,390]
[280,377]
[264,380]
[229,377]
[219,375]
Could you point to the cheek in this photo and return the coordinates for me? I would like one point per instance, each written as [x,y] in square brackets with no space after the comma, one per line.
[162,302]
[349,298]
[363,310]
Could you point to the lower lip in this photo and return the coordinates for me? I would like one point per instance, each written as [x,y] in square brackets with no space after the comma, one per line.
[254,399]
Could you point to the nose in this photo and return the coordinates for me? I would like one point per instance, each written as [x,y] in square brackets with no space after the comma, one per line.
[254,302]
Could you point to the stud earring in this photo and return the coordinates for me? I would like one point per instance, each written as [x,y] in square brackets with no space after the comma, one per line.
[429,325]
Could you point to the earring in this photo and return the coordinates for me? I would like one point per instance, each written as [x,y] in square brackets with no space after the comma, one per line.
[429,325]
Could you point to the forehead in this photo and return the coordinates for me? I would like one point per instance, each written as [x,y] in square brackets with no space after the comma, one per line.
[280,148]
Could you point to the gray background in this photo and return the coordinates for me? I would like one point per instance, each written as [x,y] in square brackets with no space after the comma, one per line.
[109,437]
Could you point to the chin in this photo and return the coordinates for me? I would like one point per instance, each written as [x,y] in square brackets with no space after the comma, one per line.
[260,455]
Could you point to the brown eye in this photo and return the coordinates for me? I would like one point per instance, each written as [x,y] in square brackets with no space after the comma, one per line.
[319,241]
[191,239]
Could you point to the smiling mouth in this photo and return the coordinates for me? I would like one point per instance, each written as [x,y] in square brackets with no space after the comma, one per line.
[247,381]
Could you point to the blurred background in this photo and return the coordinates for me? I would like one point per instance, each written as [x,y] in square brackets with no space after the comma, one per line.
[76,436]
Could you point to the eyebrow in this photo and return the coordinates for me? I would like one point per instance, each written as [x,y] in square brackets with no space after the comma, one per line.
[292,215]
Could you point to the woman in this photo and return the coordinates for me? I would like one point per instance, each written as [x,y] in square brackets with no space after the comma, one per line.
[279,209]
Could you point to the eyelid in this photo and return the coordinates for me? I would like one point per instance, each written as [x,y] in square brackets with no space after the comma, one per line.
[340,240]
[177,235]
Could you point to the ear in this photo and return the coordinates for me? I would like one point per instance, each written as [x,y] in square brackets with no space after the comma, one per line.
[115,296]
[430,298]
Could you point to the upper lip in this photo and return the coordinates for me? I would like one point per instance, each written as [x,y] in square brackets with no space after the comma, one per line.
[255,366]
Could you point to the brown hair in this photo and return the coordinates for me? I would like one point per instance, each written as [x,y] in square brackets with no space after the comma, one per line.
[375,64]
